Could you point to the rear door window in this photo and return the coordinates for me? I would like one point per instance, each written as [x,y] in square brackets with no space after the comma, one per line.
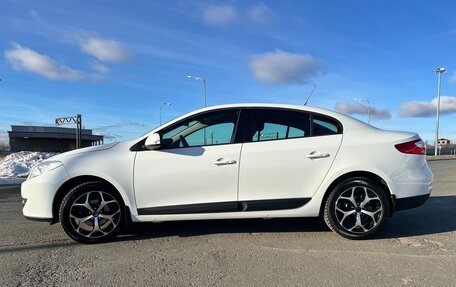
[275,124]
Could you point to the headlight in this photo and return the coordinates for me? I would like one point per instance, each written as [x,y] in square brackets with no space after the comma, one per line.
[43,167]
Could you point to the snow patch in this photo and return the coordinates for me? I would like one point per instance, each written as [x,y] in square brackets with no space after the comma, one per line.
[15,167]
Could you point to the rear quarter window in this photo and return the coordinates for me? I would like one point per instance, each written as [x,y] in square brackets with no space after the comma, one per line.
[324,126]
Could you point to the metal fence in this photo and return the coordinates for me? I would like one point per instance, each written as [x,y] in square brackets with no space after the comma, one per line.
[443,151]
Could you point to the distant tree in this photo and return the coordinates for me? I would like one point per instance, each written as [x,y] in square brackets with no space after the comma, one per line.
[4,147]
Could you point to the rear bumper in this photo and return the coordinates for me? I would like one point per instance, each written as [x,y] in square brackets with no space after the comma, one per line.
[412,184]
[409,202]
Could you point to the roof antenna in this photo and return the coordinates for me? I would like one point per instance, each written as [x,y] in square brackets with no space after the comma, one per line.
[311,93]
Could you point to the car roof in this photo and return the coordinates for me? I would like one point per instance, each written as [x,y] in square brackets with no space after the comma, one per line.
[318,110]
[343,119]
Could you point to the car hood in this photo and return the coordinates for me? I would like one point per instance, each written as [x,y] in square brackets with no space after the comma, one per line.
[84,150]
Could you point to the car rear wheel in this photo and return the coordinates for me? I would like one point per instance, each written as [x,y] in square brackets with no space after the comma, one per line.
[356,208]
[91,213]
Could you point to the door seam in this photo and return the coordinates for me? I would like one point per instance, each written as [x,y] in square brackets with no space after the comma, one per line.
[239,172]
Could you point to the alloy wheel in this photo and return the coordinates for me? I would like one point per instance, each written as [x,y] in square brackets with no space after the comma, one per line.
[95,214]
[359,209]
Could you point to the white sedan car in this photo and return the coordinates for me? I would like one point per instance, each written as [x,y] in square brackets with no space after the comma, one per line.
[235,161]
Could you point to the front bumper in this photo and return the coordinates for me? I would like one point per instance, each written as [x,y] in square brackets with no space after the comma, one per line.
[38,219]
[38,194]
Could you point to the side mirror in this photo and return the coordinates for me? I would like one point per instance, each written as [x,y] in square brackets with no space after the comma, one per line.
[153,141]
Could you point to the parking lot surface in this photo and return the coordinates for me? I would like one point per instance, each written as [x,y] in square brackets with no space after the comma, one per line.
[415,248]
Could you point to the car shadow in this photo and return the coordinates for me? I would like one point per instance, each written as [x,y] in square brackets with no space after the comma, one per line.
[140,231]
[437,215]
[38,246]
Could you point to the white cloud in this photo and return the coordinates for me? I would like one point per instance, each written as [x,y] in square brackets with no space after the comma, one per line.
[25,59]
[220,15]
[34,15]
[99,67]
[262,14]
[281,67]
[122,125]
[358,109]
[105,50]
[428,109]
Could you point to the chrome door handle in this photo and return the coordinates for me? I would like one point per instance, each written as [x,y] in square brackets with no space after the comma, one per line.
[224,161]
[317,155]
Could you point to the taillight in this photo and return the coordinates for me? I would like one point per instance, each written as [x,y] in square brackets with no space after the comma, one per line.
[412,147]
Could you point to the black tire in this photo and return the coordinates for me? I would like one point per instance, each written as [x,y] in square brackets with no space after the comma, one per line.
[362,219]
[92,212]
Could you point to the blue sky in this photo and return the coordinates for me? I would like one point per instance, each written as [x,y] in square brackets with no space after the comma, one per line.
[116,62]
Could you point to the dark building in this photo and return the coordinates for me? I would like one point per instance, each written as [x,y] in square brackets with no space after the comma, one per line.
[443,142]
[49,139]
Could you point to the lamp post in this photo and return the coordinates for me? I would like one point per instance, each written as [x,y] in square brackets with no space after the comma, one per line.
[165,104]
[204,84]
[439,73]
[368,108]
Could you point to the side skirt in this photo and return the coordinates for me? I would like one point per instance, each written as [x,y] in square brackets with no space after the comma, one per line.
[229,206]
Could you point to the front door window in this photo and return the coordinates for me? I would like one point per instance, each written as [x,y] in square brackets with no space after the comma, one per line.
[212,128]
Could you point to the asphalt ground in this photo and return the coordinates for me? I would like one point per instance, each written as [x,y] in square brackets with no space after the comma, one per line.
[415,248]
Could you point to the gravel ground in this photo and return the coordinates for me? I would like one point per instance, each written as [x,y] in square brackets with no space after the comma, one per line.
[416,248]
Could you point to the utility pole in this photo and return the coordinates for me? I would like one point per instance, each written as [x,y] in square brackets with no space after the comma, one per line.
[73,120]
[205,102]
[439,73]
[79,130]
[368,108]
[204,85]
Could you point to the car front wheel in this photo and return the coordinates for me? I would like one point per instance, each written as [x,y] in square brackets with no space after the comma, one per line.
[356,208]
[91,213]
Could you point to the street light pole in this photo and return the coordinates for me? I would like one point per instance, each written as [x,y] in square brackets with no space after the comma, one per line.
[165,104]
[204,84]
[205,103]
[368,108]
[368,112]
[439,72]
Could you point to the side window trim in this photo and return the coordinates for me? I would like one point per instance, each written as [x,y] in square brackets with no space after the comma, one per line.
[247,119]
[239,131]
[311,119]
[244,121]
[247,122]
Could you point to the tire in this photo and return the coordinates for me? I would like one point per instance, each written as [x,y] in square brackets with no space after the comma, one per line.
[92,212]
[349,213]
